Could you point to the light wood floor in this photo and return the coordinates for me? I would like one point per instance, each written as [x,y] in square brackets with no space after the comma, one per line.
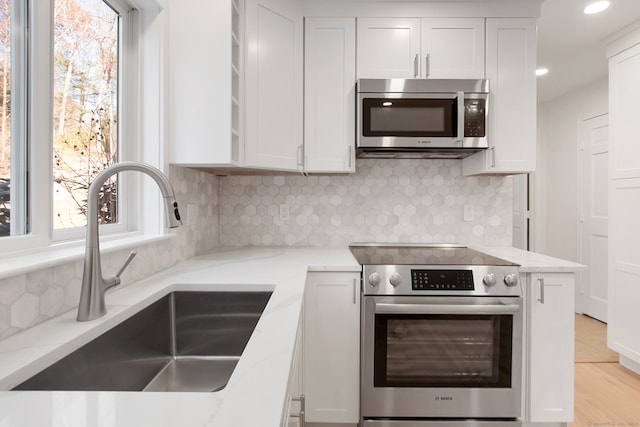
[606,393]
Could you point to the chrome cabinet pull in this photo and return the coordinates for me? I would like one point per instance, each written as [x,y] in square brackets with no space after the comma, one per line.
[299,415]
[354,291]
[300,156]
[415,65]
[349,149]
[541,297]
[493,156]
[427,65]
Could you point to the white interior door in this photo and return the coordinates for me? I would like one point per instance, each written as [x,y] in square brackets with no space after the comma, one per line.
[594,137]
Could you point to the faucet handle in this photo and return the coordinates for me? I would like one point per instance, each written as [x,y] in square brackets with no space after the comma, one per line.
[130,258]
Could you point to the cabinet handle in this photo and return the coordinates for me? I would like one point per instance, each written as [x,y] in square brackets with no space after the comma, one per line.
[299,156]
[541,283]
[427,65]
[493,156]
[415,65]
[349,161]
[354,290]
[299,415]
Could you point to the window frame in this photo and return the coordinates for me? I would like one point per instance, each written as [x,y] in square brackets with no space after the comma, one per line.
[138,85]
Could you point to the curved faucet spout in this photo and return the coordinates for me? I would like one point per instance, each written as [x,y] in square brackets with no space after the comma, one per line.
[92,305]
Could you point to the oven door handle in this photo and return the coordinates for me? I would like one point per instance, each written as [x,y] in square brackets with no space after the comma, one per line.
[385,308]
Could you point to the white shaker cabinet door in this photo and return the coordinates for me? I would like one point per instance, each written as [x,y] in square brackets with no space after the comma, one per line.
[452,48]
[330,82]
[273,84]
[510,68]
[551,319]
[332,347]
[388,48]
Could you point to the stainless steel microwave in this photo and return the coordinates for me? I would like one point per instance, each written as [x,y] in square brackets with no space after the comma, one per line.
[421,118]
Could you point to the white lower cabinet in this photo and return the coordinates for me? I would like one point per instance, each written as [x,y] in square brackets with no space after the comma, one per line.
[550,344]
[294,409]
[332,347]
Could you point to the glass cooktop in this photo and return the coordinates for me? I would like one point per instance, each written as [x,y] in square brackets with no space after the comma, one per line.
[422,254]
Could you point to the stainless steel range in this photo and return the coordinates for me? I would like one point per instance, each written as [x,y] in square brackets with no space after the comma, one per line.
[441,337]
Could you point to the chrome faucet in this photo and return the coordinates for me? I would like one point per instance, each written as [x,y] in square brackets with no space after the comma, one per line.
[94,286]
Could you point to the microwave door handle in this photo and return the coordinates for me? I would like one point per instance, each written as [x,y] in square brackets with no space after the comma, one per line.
[460,116]
[386,308]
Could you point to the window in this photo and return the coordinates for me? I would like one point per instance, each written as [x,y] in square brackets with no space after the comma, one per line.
[63,93]
[13,218]
[85,108]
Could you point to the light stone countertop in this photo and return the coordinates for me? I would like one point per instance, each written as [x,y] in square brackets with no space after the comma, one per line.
[256,392]
[532,262]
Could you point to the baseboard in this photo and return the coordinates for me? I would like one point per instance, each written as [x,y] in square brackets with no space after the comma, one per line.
[630,364]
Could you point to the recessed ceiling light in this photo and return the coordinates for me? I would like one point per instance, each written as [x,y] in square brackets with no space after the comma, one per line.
[596,7]
[541,71]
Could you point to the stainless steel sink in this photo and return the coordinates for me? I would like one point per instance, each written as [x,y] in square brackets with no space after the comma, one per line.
[186,341]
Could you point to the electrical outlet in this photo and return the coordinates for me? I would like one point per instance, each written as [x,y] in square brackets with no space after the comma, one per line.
[284,212]
[468,213]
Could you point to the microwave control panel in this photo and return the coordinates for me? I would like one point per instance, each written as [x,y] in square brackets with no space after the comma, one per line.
[474,118]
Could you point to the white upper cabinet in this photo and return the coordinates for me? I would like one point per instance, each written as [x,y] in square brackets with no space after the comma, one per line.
[388,48]
[330,79]
[421,48]
[624,88]
[452,48]
[273,84]
[510,68]
[204,89]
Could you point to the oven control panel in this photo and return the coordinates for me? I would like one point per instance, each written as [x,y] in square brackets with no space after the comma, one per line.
[470,280]
[442,280]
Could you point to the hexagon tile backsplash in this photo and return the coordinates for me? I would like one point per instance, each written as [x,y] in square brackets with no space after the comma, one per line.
[386,200]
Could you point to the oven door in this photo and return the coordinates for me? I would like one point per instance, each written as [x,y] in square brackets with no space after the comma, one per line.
[441,357]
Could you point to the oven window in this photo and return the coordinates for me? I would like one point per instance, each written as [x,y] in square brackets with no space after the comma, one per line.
[409,117]
[443,350]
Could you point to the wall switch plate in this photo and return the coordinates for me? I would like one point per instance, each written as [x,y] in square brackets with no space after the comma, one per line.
[284,212]
[468,213]
[192,214]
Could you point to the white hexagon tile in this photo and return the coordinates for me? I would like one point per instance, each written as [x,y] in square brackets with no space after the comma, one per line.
[386,200]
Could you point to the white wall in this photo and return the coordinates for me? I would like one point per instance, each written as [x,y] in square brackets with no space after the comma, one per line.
[556,180]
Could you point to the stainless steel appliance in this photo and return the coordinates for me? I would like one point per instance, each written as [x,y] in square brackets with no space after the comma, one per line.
[441,337]
[421,118]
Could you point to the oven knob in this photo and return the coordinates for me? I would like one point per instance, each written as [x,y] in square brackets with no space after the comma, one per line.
[511,279]
[374,279]
[489,279]
[395,279]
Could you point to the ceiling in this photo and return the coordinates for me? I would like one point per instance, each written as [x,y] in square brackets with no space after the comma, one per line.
[571,44]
